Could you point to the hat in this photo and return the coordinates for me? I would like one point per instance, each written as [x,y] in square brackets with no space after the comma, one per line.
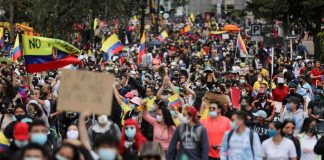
[129,95]
[135,93]
[292,85]
[294,100]
[193,111]
[136,100]
[281,80]
[260,113]
[21,131]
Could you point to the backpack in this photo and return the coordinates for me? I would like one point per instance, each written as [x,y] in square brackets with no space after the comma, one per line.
[251,140]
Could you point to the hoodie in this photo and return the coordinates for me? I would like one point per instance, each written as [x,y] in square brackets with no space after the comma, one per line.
[193,142]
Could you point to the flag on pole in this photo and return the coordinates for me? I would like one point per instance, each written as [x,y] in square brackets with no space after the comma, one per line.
[240,44]
[95,23]
[42,54]
[174,101]
[112,45]
[186,30]
[1,37]
[16,50]
[142,48]
[163,35]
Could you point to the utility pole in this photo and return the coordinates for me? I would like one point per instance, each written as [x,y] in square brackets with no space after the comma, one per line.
[157,17]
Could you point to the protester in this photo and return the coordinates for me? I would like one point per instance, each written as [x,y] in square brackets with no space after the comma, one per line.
[277,146]
[308,138]
[240,142]
[288,132]
[216,126]
[191,136]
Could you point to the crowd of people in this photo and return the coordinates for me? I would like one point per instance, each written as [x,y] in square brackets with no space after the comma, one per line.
[195,96]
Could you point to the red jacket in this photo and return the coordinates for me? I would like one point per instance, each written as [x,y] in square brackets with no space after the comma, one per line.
[280,93]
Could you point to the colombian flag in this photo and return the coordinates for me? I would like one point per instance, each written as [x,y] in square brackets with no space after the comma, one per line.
[174,101]
[1,36]
[16,50]
[185,30]
[240,44]
[112,45]
[142,49]
[42,54]
[163,35]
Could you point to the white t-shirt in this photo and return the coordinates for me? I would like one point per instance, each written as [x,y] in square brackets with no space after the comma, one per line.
[307,145]
[285,150]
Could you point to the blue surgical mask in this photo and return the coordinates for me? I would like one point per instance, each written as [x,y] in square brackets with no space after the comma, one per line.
[31,158]
[234,125]
[130,133]
[213,113]
[59,157]
[107,153]
[21,144]
[133,106]
[126,100]
[271,132]
[288,106]
[173,113]
[39,138]
[242,81]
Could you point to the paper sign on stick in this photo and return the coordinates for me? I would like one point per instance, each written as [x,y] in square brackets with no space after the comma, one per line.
[85,91]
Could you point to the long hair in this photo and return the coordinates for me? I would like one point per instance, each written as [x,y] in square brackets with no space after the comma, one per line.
[139,138]
[167,117]
[306,124]
[76,154]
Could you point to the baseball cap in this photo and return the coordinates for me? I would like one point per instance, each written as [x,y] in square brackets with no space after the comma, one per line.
[260,113]
[281,80]
[129,95]
[21,131]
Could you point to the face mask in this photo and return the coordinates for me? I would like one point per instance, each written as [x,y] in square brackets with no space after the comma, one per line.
[197,83]
[31,158]
[259,79]
[126,100]
[19,117]
[157,88]
[133,106]
[159,118]
[107,154]
[130,133]
[152,108]
[213,114]
[59,157]
[21,144]
[39,138]
[72,134]
[312,130]
[242,81]
[234,125]
[280,85]
[288,106]
[173,113]
[184,120]
[271,132]
[103,119]
[172,67]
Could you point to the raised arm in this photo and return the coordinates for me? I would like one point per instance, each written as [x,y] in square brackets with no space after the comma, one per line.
[117,95]
[192,92]
[83,131]
[160,91]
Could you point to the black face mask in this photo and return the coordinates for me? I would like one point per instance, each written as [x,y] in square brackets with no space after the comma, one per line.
[280,85]
[312,130]
[262,98]
[20,117]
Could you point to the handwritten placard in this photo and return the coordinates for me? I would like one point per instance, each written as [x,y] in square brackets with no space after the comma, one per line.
[85,91]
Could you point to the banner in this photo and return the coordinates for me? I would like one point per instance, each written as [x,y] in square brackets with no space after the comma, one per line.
[42,46]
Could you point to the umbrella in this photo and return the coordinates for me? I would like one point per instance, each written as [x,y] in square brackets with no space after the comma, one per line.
[231,27]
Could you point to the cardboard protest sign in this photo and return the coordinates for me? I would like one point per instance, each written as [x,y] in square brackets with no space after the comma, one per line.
[220,98]
[85,91]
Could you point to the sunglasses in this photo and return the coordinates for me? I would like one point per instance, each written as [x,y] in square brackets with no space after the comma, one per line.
[131,128]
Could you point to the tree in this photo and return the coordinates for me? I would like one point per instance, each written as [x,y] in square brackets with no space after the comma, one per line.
[305,13]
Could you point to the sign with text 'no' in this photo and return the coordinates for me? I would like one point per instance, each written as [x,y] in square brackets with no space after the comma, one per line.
[85,91]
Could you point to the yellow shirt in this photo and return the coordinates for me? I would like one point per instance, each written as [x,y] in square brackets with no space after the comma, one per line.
[176,121]
[204,114]
[149,102]
[257,84]
[125,109]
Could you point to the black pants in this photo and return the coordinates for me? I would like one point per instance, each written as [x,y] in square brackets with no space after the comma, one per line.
[212,158]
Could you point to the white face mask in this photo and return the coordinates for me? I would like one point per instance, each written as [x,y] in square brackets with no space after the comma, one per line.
[72,134]
[159,118]
[103,119]
[184,120]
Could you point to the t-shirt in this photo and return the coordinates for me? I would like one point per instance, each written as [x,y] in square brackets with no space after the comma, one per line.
[283,151]
[316,72]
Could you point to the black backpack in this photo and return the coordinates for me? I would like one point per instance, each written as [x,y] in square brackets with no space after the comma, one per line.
[251,140]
